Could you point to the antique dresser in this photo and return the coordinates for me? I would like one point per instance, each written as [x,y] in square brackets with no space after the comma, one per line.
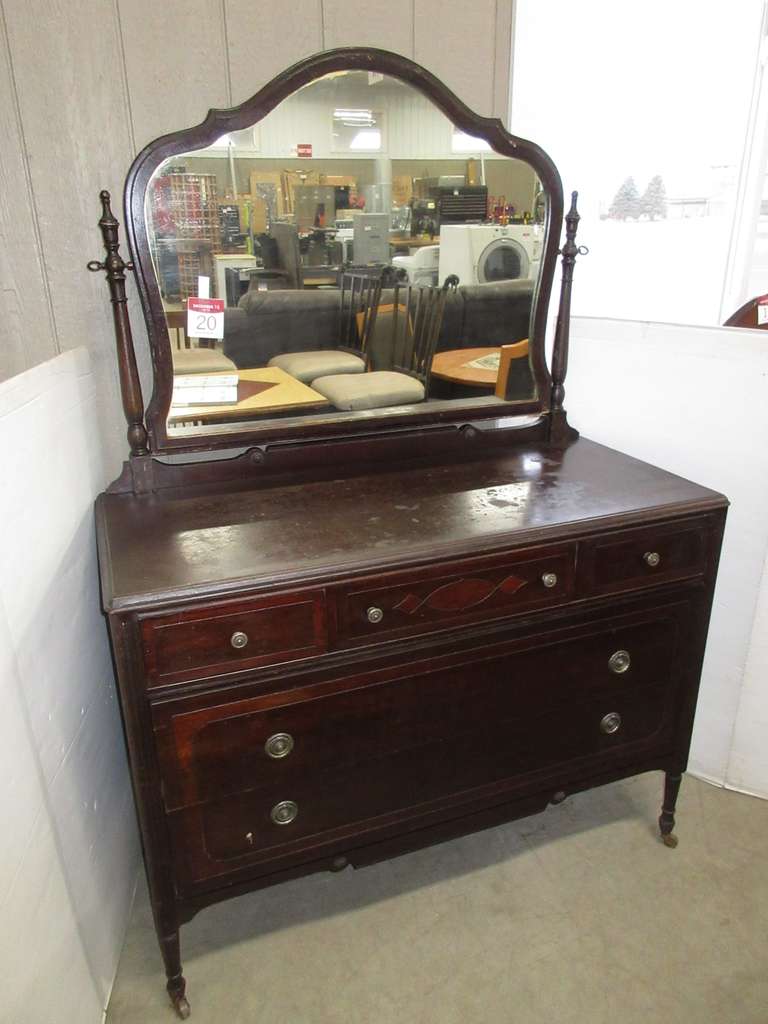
[343,635]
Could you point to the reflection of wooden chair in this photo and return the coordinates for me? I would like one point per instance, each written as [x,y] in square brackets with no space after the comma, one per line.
[360,295]
[286,237]
[512,374]
[412,323]
[204,358]
[747,315]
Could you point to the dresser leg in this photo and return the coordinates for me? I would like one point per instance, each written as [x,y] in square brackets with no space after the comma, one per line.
[171,950]
[667,817]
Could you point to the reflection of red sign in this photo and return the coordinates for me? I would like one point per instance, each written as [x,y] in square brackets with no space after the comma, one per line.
[304,149]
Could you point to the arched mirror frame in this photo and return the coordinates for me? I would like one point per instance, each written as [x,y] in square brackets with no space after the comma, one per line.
[220,122]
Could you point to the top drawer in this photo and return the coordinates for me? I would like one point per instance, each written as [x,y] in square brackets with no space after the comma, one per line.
[481,588]
[643,557]
[231,636]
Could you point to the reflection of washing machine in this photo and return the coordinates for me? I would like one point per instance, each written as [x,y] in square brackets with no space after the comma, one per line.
[484,253]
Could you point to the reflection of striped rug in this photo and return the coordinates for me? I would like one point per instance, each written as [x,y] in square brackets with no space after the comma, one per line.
[249,388]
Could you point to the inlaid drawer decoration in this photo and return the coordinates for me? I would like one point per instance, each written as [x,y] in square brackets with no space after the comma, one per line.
[233,636]
[465,591]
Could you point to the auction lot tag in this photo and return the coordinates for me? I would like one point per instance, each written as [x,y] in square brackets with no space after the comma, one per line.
[205,318]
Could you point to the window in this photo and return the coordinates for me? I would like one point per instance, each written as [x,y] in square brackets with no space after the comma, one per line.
[463,143]
[645,109]
[357,131]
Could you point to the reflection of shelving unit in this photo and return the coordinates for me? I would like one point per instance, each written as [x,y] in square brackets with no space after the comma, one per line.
[194,259]
[185,216]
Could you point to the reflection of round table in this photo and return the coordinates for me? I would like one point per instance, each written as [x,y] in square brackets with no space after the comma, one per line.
[454,366]
[451,366]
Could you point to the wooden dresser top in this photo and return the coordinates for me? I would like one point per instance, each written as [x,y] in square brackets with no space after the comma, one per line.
[191,543]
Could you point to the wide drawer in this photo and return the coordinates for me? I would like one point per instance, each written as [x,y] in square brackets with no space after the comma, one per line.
[232,636]
[643,557]
[233,745]
[428,599]
[285,817]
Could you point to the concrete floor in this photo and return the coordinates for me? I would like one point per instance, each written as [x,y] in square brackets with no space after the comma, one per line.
[577,914]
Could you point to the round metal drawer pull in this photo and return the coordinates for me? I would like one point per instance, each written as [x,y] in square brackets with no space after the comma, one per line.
[374,615]
[549,579]
[652,558]
[284,813]
[610,723]
[279,745]
[238,640]
[619,662]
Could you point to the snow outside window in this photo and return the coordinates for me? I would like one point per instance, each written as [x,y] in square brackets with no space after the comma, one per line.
[644,108]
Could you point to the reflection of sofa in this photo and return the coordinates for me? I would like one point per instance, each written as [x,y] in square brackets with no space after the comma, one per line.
[266,324]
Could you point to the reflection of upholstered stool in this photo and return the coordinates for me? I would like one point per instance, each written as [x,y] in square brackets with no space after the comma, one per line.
[201,360]
[375,390]
[307,366]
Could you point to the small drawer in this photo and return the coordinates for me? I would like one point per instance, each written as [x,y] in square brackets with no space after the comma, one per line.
[301,813]
[413,602]
[209,747]
[233,636]
[643,557]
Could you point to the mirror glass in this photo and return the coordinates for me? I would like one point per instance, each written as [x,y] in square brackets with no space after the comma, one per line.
[302,263]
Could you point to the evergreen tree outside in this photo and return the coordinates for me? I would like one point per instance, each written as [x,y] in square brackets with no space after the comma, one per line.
[626,202]
[654,201]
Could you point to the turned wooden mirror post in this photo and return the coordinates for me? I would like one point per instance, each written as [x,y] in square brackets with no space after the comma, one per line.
[130,386]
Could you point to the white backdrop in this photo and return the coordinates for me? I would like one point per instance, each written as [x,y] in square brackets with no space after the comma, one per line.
[694,400]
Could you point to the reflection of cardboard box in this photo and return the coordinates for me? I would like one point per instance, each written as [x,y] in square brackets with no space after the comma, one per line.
[339,180]
[273,179]
[402,189]
[258,216]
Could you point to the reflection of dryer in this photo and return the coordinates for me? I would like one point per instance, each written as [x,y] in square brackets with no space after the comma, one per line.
[484,253]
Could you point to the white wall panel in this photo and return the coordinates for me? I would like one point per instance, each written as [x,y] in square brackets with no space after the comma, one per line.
[69,847]
[28,335]
[76,133]
[388,26]
[459,46]
[176,65]
[656,391]
[265,40]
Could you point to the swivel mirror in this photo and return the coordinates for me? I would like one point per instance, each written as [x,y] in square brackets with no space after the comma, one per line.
[351,245]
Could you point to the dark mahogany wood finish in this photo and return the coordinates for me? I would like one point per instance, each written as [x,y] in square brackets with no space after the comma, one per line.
[334,647]
[479,695]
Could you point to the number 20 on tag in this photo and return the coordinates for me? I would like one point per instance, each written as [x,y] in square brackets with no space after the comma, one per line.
[205,318]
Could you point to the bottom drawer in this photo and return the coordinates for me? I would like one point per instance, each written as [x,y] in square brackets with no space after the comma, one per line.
[231,833]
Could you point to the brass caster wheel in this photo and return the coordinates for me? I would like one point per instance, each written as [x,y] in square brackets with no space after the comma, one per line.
[669,840]
[182,1008]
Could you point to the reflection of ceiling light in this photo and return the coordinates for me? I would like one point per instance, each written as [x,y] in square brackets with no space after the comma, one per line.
[355,116]
[224,140]
[367,139]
